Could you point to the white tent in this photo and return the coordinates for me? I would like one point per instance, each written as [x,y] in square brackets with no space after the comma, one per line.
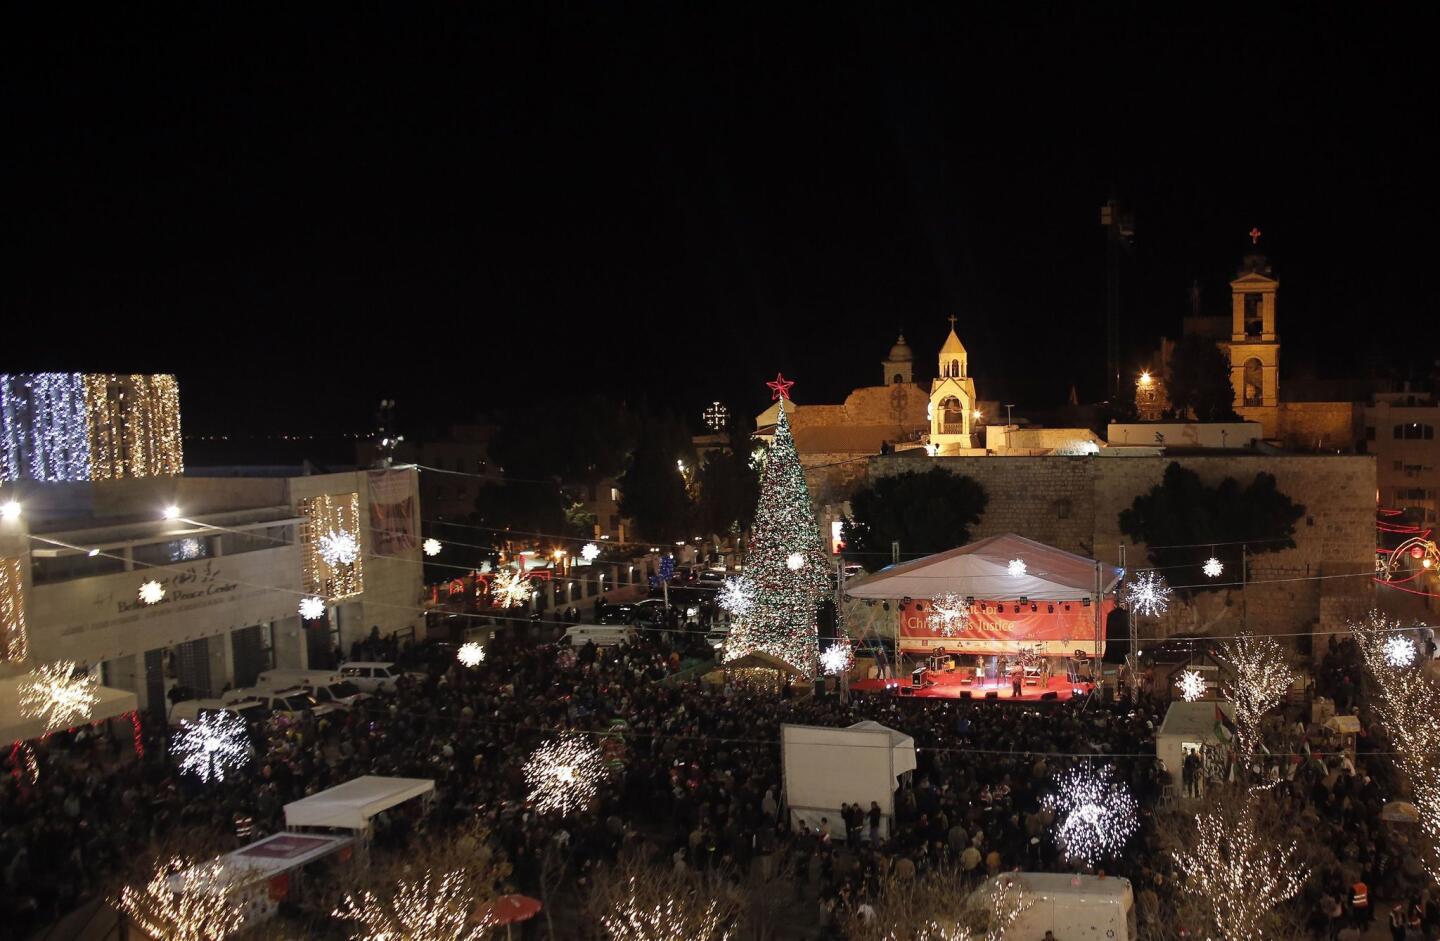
[15,726]
[1187,726]
[350,806]
[827,767]
[982,570]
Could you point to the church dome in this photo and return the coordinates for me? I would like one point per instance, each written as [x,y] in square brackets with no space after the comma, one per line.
[900,352]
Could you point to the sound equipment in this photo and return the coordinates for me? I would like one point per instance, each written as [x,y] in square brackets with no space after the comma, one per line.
[993,694]
[1050,695]
[964,694]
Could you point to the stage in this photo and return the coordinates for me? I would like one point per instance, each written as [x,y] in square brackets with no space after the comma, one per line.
[949,686]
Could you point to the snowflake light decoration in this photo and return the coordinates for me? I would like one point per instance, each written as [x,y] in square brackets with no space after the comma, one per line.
[511,590]
[590,552]
[1399,651]
[736,596]
[795,561]
[56,696]
[1147,594]
[203,910]
[1095,814]
[312,609]
[339,548]
[564,774]
[212,745]
[837,658]
[1017,567]
[1191,685]
[471,654]
[151,592]
[1213,567]
[949,614]
[431,547]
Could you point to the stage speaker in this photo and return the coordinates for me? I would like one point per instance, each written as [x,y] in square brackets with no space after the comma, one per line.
[1050,695]
[964,694]
[993,694]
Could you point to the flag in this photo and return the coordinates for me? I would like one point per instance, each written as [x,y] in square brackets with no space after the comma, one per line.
[1224,727]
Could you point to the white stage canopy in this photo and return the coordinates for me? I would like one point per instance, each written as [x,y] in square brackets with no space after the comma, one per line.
[981,570]
[350,806]
[16,727]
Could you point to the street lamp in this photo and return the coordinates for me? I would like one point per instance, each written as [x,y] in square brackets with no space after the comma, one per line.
[10,510]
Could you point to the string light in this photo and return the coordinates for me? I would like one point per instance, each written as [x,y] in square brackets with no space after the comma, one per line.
[949,614]
[205,908]
[641,917]
[1234,874]
[333,564]
[564,774]
[510,590]
[1399,651]
[781,620]
[24,753]
[134,426]
[420,910]
[590,552]
[1260,677]
[211,745]
[1148,594]
[151,592]
[837,658]
[312,609]
[57,696]
[470,654]
[14,639]
[1017,567]
[1213,567]
[1191,685]
[1095,814]
[431,547]
[736,596]
[44,427]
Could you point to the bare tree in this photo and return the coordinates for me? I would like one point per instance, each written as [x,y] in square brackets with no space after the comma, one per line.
[636,901]
[941,906]
[185,900]
[1260,675]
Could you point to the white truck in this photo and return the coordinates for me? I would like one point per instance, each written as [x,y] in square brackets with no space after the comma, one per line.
[1074,907]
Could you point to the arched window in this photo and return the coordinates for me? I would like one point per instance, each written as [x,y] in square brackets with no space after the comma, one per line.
[1254,388]
[898,379]
[952,417]
[954,368]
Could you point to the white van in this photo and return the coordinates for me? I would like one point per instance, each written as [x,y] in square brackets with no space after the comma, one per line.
[324,685]
[189,710]
[291,702]
[371,676]
[603,635]
[1074,907]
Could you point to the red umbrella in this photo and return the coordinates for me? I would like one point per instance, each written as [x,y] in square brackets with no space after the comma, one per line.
[508,909]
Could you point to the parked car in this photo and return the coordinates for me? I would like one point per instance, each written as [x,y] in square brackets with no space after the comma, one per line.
[372,676]
[578,635]
[190,710]
[324,685]
[711,578]
[289,702]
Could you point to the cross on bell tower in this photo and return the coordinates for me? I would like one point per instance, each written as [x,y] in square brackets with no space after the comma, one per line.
[1255,234]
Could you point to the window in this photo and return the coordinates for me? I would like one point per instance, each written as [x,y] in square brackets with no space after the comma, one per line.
[614,494]
[1414,431]
[1369,432]
[1254,387]
[955,368]
[897,379]
[1254,319]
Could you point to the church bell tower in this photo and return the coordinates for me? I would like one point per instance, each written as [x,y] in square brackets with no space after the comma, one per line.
[952,398]
[1254,342]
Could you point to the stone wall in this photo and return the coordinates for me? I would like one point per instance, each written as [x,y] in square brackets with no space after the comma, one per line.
[1074,503]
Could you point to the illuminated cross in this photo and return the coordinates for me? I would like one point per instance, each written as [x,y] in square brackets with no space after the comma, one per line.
[715,416]
[780,388]
[1255,234]
[952,323]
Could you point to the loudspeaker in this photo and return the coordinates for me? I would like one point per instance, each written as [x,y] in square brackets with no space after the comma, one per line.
[1050,695]
[964,694]
[993,694]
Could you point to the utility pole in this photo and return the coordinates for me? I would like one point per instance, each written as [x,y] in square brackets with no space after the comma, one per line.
[840,630]
[1244,588]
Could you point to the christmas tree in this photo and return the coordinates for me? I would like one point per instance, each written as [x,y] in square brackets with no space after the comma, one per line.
[786,567]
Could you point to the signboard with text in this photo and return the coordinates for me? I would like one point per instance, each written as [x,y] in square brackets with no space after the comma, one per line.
[1051,629]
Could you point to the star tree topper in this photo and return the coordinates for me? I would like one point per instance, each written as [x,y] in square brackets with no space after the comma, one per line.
[780,388]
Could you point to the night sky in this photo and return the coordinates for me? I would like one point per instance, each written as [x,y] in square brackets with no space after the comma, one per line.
[463,206]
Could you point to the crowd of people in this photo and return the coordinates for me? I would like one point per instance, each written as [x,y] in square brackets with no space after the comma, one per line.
[698,787]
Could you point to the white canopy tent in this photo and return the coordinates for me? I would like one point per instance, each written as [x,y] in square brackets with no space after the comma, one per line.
[981,570]
[1188,726]
[15,726]
[350,806]
[827,767]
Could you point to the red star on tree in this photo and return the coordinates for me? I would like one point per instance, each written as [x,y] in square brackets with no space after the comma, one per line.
[780,388]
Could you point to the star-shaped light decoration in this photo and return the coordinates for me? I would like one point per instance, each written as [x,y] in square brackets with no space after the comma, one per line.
[780,388]
[339,548]
[1017,567]
[949,613]
[1213,567]
[151,592]
[510,590]
[736,596]
[1147,594]
[1191,685]
[795,561]
[564,774]
[431,546]
[837,658]
[471,654]
[1094,814]
[312,609]
[1399,651]
[211,745]
[590,552]
[55,695]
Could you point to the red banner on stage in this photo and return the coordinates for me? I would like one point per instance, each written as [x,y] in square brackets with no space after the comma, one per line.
[1054,629]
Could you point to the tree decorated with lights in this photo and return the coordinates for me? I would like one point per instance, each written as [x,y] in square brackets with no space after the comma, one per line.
[782,616]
